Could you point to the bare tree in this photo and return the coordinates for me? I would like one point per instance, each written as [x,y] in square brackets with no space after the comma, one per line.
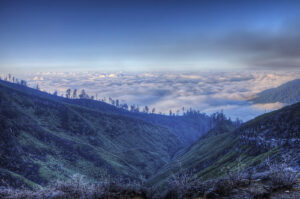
[23,83]
[83,95]
[146,109]
[74,94]
[153,110]
[68,93]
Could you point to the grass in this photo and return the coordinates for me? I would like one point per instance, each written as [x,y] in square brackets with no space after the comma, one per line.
[209,157]
[20,178]
[87,142]
[45,140]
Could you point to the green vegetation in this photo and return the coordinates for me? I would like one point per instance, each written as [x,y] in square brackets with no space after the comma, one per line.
[44,139]
[208,158]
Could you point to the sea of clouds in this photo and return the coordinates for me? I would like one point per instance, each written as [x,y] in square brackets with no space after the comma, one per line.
[206,91]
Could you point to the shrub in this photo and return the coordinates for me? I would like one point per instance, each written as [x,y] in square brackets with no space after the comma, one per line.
[180,184]
[281,175]
[223,187]
[78,188]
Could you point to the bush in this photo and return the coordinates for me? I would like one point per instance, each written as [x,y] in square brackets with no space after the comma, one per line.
[223,187]
[78,188]
[179,185]
[281,175]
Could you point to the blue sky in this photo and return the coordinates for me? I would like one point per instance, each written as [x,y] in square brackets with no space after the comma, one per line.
[148,35]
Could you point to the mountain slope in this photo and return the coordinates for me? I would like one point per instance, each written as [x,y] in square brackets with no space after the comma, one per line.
[277,129]
[43,139]
[188,128]
[208,157]
[287,93]
[272,134]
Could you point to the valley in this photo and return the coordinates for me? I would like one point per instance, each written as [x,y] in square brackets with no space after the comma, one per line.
[47,138]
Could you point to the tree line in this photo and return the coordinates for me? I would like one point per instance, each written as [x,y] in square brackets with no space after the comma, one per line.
[82,94]
[12,79]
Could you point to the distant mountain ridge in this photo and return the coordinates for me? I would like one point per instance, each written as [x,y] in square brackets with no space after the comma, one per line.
[288,93]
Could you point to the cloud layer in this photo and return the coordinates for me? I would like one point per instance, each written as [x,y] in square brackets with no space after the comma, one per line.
[207,92]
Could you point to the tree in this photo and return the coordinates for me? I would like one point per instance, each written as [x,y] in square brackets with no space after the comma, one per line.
[37,87]
[170,113]
[238,122]
[124,106]
[74,94]
[117,103]
[83,95]
[68,93]
[55,93]
[111,101]
[132,108]
[137,109]
[153,110]
[23,83]
[146,109]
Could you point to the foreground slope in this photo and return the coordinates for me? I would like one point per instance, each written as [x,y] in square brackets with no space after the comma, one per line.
[287,93]
[208,157]
[269,135]
[277,129]
[43,139]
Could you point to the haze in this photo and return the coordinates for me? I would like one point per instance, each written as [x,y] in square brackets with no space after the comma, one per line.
[148,35]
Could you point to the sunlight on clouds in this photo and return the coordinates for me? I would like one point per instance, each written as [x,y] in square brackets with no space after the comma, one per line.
[205,91]
[270,106]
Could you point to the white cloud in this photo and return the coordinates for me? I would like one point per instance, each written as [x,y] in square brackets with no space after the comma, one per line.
[208,92]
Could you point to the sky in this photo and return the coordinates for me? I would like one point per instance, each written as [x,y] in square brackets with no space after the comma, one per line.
[145,35]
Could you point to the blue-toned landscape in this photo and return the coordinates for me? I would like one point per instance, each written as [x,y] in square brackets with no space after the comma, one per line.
[149,99]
